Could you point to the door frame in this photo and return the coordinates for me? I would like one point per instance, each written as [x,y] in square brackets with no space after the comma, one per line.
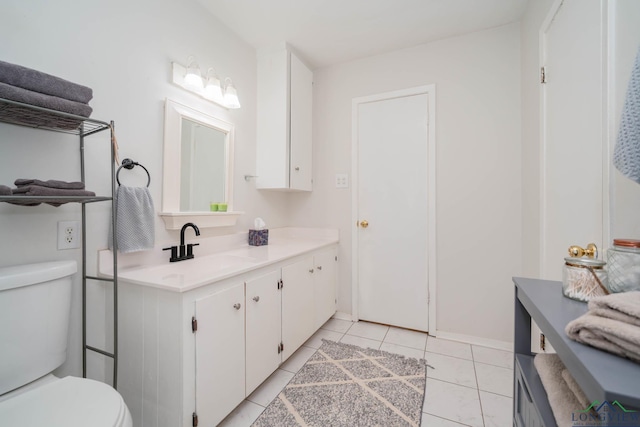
[430,91]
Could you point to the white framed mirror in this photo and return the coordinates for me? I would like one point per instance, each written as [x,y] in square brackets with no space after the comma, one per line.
[198,168]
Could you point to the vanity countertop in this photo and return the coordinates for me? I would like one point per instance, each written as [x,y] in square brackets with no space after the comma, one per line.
[217,258]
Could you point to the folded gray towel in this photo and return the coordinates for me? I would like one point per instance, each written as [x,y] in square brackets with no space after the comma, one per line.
[606,334]
[35,190]
[563,402]
[624,307]
[575,389]
[52,183]
[626,154]
[25,96]
[30,203]
[5,191]
[37,81]
[135,220]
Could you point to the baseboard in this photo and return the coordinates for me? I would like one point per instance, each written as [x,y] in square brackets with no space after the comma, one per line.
[343,316]
[470,339]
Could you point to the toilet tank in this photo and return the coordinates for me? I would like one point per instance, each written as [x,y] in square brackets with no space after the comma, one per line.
[35,302]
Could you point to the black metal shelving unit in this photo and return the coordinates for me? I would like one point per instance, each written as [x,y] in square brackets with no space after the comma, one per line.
[20,114]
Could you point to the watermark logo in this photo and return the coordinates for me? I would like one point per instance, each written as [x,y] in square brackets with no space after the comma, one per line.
[606,413]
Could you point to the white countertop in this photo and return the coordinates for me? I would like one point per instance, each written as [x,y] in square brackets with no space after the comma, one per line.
[217,258]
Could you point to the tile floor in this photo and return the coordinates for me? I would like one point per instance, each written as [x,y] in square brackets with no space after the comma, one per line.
[467,385]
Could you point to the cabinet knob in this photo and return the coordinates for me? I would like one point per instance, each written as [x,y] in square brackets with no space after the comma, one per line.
[311,270]
[256,298]
[297,168]
[237,306]
[319,267]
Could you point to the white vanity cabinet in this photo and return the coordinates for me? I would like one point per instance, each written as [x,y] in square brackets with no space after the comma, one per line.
[324,285]
[263,328]
[285,92]
[219,353]
[298,310]
[308,298]
[196,354]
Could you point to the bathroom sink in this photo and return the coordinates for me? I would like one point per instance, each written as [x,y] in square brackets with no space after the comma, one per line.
[187,274]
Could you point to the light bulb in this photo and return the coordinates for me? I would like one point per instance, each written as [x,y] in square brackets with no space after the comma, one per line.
[193,76]
[230,95]
[213,90]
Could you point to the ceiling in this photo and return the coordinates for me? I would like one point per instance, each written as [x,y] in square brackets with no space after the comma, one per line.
[326,32]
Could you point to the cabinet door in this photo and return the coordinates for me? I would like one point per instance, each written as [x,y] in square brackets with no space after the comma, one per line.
[324,286]
[301,80]
[220,371]
[298,313]
[272,145]
[263,317]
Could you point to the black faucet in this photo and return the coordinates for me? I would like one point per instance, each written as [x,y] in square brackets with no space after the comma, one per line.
[184,254]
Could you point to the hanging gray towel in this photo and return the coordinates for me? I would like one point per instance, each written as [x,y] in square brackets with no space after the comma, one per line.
[135,216]
[626,155]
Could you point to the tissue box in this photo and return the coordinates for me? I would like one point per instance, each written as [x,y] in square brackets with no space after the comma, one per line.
[258,237]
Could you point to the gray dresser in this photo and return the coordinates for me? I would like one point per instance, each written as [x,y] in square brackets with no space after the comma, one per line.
[601,375]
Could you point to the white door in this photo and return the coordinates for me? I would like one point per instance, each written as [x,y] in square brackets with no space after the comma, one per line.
[263,317]
[392,197]
[220,374]
[573,149]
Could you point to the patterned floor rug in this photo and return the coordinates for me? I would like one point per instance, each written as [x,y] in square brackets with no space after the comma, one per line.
[344,385]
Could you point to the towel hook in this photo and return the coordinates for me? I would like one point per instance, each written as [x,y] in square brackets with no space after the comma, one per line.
[129,164]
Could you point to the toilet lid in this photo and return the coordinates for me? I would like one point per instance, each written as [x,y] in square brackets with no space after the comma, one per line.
[68,402]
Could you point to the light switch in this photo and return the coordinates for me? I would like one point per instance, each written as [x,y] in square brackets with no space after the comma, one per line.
[342,180]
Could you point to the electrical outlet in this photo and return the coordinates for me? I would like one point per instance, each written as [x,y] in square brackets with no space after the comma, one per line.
[68,235]
[342,180]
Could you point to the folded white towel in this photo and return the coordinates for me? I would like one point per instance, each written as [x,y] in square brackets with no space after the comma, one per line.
[626,155]
[575,389]
[135,219]
[562,400]
[624,307]
[606,334]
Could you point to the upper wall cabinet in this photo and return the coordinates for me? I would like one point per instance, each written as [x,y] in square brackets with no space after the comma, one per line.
[285,87]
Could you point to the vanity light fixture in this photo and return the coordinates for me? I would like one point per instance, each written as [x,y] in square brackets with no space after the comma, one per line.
[190,78]
[212,89]
[193,76]
[230,94]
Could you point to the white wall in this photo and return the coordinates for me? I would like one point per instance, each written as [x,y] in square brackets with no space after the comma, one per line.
[123,50]
[477,78]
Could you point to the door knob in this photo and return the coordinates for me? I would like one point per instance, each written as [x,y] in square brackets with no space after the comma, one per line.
[364,223]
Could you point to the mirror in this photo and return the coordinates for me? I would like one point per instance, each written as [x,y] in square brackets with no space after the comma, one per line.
[202,166]
[198,160]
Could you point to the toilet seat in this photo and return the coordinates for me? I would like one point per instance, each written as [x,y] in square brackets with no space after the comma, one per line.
[68,402]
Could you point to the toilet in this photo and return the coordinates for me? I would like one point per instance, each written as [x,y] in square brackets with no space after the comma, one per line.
[35,304]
